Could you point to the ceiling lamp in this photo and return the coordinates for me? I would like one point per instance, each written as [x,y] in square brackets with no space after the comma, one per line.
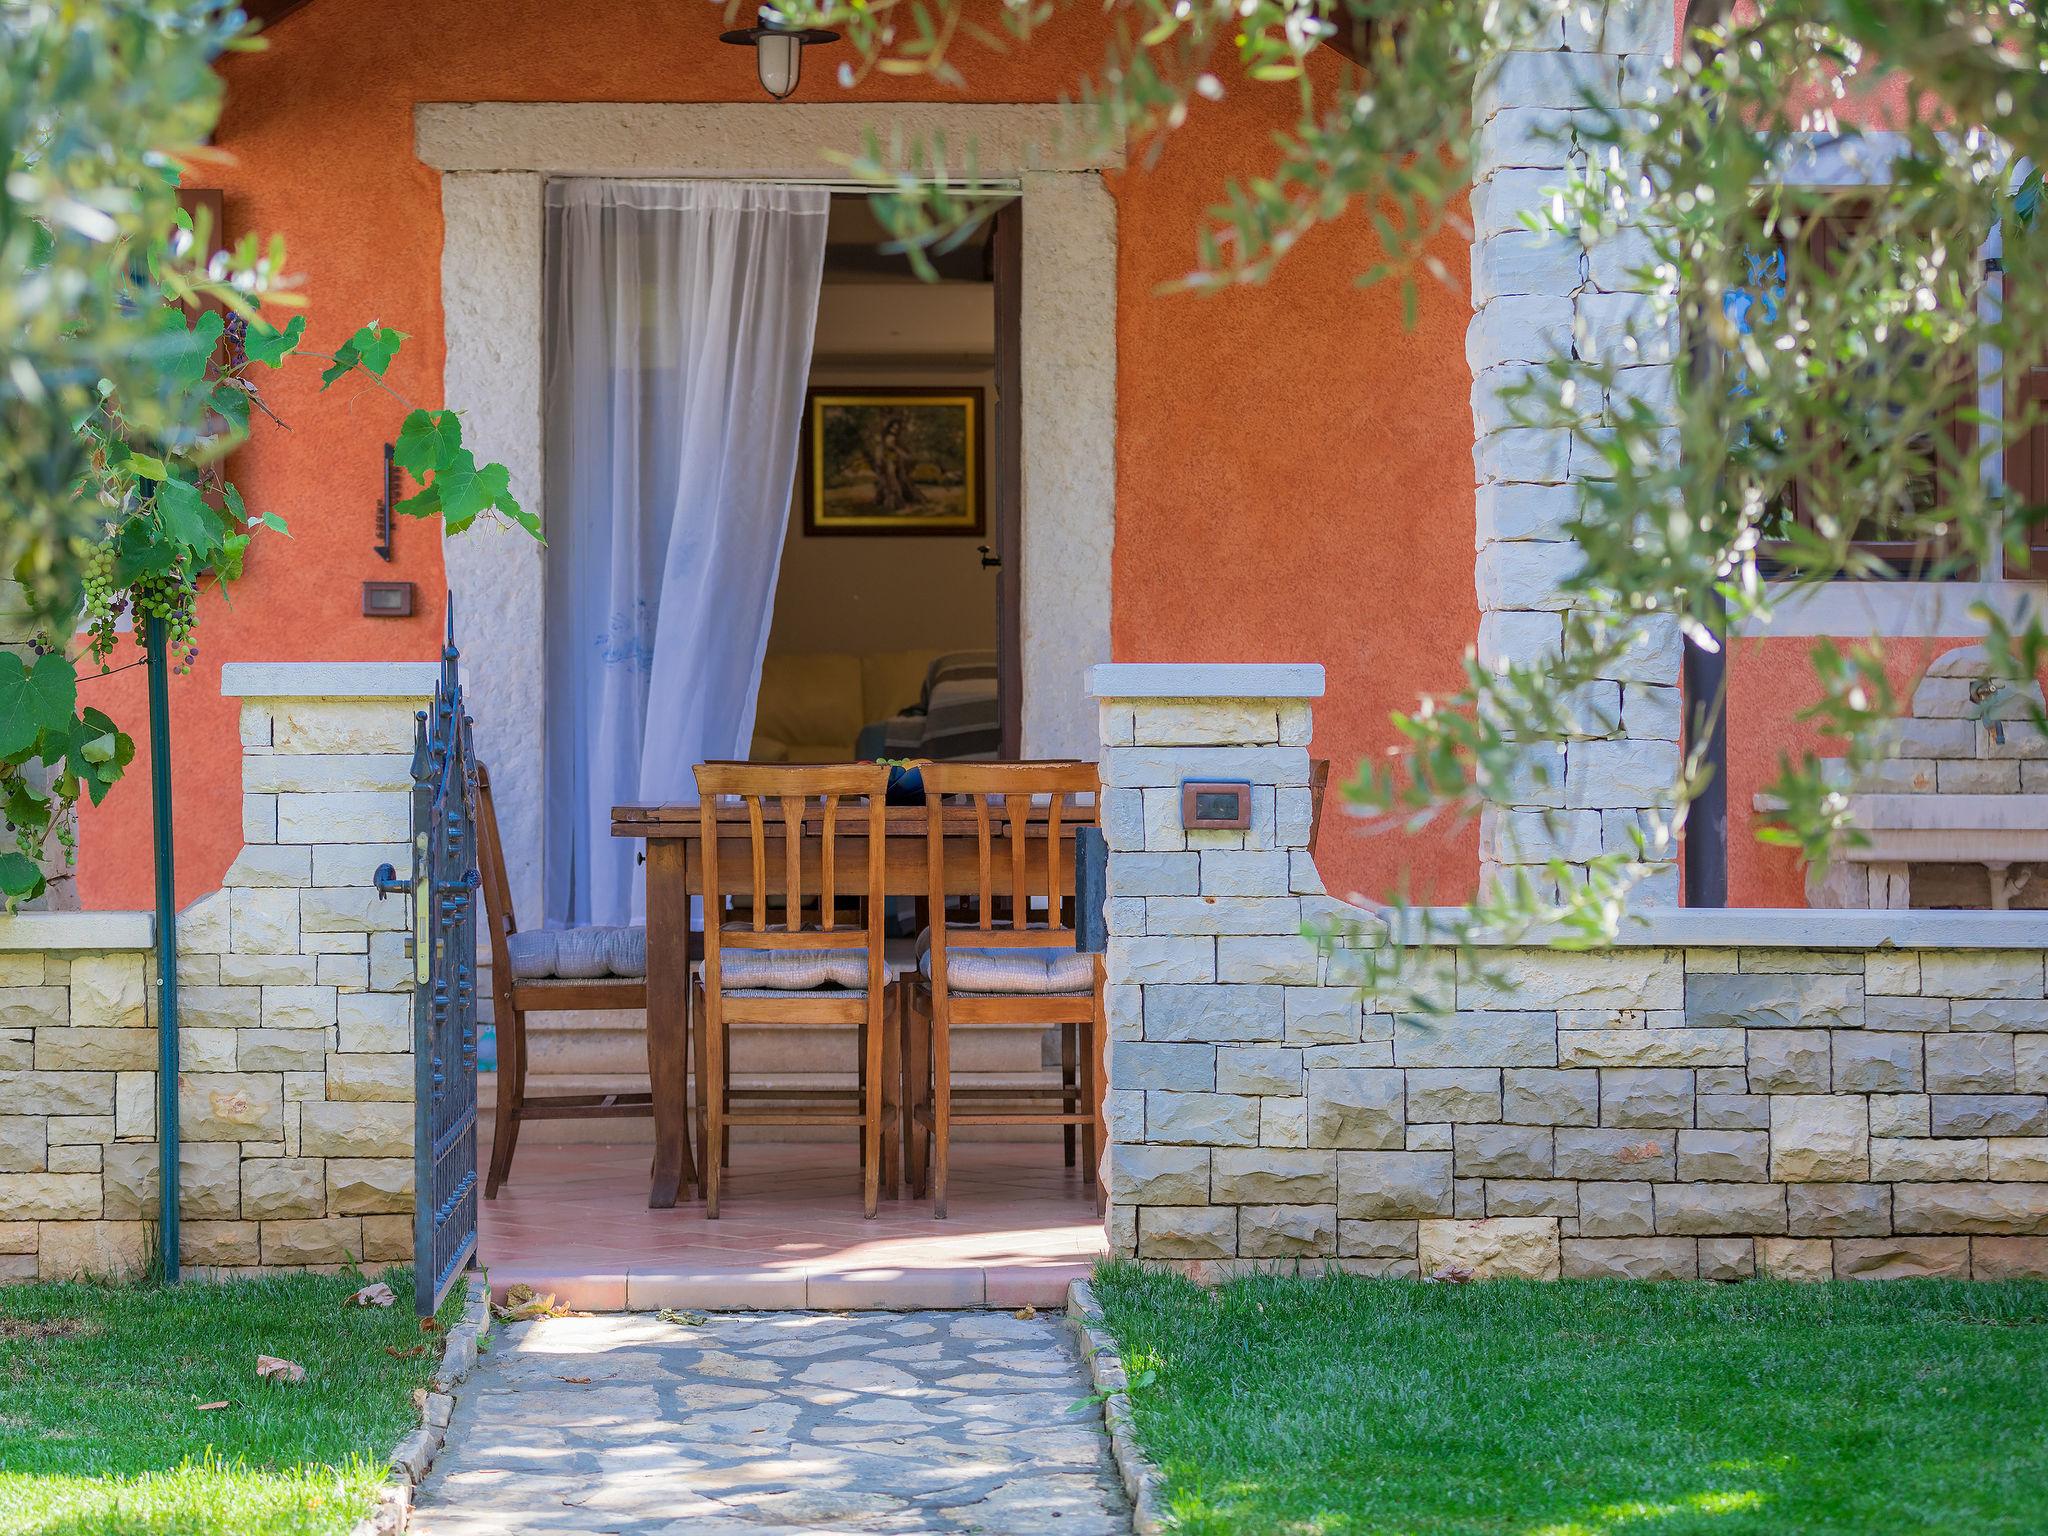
[778,49]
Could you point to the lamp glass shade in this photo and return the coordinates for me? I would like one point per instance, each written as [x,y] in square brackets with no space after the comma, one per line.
[778,57]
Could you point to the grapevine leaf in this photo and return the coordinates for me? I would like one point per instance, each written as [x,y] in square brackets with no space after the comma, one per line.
[464,492]
[145,467]
[186,517]
[345,359]
[429,440]
[227,560]
[98,753]
[139,552]
[20,879]
[423,504]
[268,345]
[187,363]
[232,403]
[376,346]
[34,699]
[54,683]
[237,508]
[275,523]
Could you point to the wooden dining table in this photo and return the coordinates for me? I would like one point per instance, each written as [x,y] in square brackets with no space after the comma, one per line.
[675,874]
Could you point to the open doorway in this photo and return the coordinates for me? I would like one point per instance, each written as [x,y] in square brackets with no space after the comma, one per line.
[894,620]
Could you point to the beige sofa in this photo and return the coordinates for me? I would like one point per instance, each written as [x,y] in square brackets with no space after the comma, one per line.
[813,704]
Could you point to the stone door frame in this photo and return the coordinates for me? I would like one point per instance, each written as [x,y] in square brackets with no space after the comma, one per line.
[495,159]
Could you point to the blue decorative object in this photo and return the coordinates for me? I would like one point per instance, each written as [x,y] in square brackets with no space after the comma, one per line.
[906,785]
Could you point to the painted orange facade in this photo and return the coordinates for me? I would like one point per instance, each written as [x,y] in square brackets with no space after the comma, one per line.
[1300,415]
[1294,472]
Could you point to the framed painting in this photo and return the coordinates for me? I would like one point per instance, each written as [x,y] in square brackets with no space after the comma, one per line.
[894,461]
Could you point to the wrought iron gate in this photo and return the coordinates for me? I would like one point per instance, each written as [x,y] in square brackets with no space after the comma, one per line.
[443,892]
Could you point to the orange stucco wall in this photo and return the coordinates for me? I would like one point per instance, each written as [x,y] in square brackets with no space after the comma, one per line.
[1299,420]
[1294,476]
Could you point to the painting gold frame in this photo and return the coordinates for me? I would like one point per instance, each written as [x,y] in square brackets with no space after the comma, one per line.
[958,490]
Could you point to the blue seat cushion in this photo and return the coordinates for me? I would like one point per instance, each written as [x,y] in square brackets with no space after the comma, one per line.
[578,954]
[1046,972]
[793,970]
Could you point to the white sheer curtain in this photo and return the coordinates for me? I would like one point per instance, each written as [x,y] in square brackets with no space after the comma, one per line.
[679,321]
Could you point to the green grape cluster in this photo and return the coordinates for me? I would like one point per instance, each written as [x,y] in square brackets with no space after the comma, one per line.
[169,597]
[103,605]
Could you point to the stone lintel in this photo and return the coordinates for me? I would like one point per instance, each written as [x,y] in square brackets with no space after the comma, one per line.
[1206,680]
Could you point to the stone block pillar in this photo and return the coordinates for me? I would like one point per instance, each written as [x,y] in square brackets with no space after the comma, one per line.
[1537,296]
[1207,966]
[295,1101]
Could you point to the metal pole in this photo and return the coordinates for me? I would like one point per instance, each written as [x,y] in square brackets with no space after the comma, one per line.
[1705,696]
[157,648]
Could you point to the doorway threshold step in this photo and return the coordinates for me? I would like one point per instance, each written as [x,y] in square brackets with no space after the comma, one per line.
[962,1287]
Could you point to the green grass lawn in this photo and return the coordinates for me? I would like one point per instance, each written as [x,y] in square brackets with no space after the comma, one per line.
[1342,1405]
[101,1431]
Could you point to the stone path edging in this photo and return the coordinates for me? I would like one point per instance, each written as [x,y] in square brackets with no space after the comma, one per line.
[414,1454]
[1141,1479]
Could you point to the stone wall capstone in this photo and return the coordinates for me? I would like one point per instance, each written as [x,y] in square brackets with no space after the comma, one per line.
[1805,1094]
[295,1045]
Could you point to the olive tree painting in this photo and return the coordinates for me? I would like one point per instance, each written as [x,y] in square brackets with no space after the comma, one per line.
[893,461]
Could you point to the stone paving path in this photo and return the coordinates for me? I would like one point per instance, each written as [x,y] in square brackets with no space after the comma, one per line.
[776,1423]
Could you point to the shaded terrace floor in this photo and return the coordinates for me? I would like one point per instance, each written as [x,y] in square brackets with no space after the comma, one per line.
[573,1219]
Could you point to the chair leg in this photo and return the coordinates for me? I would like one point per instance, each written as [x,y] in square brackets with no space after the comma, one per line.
[917,1069]
[1091,1096]
[871,1107]
[698,1037]
[511,1098]
[1098,1087]
[892,1098]
[1067,1083]
[716,1104]
[942,1105]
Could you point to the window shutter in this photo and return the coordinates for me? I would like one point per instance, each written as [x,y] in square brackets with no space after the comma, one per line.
[2026,466]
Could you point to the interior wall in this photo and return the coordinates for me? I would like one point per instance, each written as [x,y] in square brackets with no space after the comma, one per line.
[855,593]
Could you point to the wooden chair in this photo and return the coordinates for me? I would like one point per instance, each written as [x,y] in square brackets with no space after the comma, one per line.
[513,998]
[758,972]
[1012,964]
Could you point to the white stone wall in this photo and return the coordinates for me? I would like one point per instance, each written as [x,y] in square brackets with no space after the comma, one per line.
[1534,297]
[1803,1094]
[295,1004]
[77,1091]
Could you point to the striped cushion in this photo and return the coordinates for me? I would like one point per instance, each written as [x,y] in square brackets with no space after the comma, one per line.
[578,954]
[793,970]
[1036,972]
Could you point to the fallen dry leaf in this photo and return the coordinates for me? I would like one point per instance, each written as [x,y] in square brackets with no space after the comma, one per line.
[428,1325]
[405,1354]
[1025,1313]
[270,1368]
[522,1302]
[1453,1274]
[377,1295]
[575,1381]
[209,1407]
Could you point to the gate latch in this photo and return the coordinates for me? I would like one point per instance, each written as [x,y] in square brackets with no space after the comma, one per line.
[389,883]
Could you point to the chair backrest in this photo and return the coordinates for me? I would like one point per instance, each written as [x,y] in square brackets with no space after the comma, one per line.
[499,922]
[825,818]
[1023,816]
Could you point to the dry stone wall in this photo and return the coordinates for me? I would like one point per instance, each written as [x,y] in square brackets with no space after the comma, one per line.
[1778,1093]
[296,1070]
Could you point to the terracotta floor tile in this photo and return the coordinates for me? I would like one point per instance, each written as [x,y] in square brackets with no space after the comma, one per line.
[1020,1226]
